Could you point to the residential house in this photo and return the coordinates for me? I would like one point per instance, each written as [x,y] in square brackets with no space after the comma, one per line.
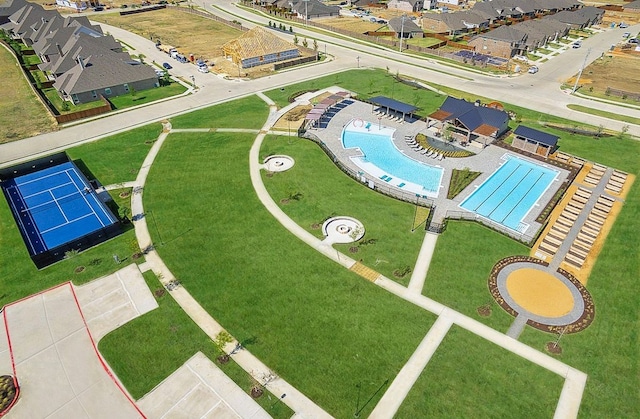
[534,141]
[8,8]
[105,74]
[313,9]
[405,28]
[504,41]
[258,47]
[469,122]
[409,6]
[24,22]
[454,23]
[82,61]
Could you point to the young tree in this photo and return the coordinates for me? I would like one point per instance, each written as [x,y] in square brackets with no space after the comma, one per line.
[305,43]
[295,40]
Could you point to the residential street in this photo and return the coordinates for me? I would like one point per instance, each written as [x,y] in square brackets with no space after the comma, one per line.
[536,91]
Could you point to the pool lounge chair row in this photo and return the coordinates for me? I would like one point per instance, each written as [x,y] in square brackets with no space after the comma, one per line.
[559,230]
[589,232]
[595,174]
[616,182]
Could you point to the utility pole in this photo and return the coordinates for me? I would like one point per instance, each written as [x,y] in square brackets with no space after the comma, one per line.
[401,33]
[584,64]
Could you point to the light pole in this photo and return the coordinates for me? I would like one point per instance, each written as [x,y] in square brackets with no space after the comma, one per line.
[305,11]
[401,33]
[575,86]
[193,81]
[358,59]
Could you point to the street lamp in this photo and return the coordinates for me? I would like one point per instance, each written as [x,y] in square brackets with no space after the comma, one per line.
[401,32]
[193,81]
[358,59]
[305,12]
[584,64]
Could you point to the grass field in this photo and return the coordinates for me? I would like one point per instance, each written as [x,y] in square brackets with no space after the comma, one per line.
[175,339]
[314,176]
[454,381]
[21,113]
[304,319]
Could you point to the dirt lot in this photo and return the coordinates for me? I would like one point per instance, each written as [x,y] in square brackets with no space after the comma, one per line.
[618,71]
[169,25]
[362,25]
[21,114]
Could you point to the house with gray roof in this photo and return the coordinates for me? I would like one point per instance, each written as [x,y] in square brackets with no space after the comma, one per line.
[504,41]
[470,122]
[83,62]
[105,74]
[405,28]
[454,23]
[28,19]
[8,8]
[313,9]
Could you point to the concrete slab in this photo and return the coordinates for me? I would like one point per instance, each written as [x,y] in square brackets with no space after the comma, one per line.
[57,365]
[109,302]
[200,389]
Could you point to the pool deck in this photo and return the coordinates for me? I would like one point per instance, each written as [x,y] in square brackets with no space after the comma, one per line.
[486,161]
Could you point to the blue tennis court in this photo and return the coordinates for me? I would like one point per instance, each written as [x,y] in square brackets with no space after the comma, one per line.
[55,206]
[508,195]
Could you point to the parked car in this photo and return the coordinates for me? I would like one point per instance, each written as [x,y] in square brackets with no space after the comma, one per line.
[98,9]
[623,25]
[203,69]
[167,66]
[533,69]
[626,35]
[576,44]
[633,41]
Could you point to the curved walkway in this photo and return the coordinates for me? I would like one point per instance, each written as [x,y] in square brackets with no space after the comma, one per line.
[575,380]
[297,401]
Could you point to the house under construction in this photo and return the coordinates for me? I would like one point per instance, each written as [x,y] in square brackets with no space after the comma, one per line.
[258,47]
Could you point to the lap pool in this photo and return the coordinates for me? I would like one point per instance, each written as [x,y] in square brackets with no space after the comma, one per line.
[510,193]
[383,160]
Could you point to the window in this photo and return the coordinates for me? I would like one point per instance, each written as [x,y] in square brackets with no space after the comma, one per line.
[94,94]
[126,87]
[107,91]
[75,98]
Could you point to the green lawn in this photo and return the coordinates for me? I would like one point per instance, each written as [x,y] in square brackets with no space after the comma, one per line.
[254,113]
[327,191]
[456,384]
[460,268]
[174,340]
[20,277]
[303,314]
[366,83]
[610,115]
[118,158]
[147,96]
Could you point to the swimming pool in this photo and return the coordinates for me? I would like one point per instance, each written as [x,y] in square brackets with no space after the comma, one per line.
[384,161]
[510,193]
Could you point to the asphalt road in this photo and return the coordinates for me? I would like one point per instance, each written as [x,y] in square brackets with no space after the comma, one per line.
[535,91]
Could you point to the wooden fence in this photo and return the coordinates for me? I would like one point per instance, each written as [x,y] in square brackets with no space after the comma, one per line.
[74,116]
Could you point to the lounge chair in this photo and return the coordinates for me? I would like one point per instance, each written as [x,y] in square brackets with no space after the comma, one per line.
[440,156]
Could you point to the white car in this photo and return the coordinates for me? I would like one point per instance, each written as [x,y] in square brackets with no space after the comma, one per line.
[533,69]
[203,69]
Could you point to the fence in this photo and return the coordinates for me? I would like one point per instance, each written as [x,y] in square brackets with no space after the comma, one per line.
[74,116]
[384,189]
[623,94]
[143,9]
